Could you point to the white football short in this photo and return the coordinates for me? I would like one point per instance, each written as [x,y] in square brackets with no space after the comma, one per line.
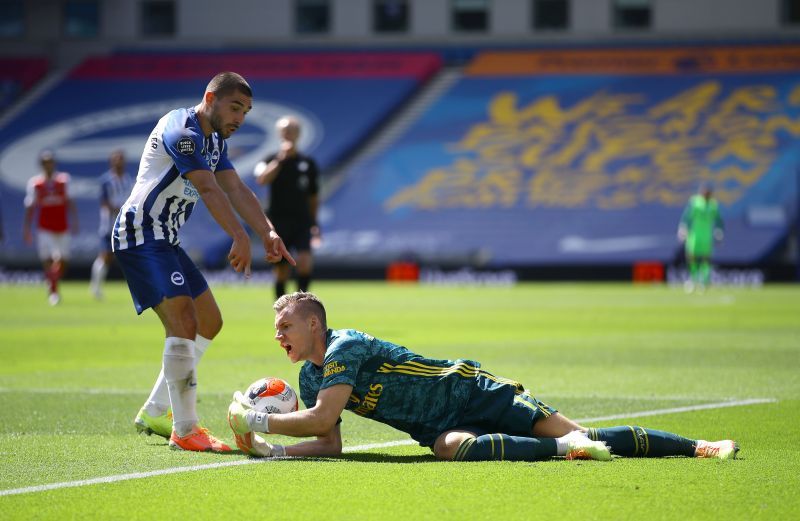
[52,245]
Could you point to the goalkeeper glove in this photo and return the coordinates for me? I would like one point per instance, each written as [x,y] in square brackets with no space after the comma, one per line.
[253,444]
[237,414]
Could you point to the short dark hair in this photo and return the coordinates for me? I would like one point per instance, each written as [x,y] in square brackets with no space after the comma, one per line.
[226,83]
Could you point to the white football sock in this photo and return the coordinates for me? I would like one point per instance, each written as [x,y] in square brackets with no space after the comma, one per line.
[562,443]
[561,446]
[99,272]
[158,402]
[201,343]
[181,383]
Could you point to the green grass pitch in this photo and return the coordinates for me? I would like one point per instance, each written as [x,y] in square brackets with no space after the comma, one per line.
[73,376]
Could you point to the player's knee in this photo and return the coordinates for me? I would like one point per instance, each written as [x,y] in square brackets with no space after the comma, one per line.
[217,326]
[209,330]
[555,426]
[209,325]
[180,320]
[447,444]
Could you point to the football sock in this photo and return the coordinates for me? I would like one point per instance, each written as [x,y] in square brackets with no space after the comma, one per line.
[99,272]
[181,382]
[52,282]
[705,272]
[634,441]
[303,282]
[693,270]
[53,274]
[490,447]
[158,402]
[280,289]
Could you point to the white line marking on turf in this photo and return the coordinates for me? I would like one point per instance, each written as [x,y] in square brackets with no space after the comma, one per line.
[355,448]
[673,410]
[176,470]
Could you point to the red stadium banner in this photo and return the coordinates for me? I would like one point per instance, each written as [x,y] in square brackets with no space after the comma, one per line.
[402,271]
[648,272]
[670,60]
[27,71]
[259,66]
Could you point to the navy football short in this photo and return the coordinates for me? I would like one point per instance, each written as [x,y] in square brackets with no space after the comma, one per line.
[500,406]
[295,233]
[157,270]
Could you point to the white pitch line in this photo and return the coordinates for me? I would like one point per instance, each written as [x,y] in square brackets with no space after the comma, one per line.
[673,410]
[177,470]
[356,448]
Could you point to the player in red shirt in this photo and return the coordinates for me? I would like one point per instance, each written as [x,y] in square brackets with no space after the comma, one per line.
[47,193]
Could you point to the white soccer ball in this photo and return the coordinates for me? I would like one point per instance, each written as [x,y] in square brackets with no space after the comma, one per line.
[271,395]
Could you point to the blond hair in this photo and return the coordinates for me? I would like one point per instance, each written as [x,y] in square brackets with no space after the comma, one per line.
[307,303]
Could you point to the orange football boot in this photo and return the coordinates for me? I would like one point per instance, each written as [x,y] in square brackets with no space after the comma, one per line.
[199,440]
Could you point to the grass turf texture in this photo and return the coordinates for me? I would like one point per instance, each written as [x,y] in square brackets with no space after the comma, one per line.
[72,377]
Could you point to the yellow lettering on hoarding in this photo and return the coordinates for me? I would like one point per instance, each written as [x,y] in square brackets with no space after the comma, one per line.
[610,151]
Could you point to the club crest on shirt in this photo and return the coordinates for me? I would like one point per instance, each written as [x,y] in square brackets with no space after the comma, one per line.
[185,146]
[214,158]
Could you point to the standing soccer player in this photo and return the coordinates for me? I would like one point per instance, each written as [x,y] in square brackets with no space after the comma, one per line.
[700,226]
[186,159]
[293,202]
[115,186]
[48,194]
[454,407]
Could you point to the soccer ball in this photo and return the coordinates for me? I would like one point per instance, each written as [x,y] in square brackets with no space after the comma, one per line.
[271,395]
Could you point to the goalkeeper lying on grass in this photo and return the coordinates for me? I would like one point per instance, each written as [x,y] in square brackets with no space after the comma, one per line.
[454,407]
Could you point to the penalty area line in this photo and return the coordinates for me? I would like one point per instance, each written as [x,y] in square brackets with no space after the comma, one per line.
[355,448]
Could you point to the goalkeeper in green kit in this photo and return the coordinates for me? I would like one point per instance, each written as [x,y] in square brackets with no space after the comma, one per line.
[700,226]
[454,407]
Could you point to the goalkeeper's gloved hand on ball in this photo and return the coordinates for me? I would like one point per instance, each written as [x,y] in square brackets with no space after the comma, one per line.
[237,414]
[253,444]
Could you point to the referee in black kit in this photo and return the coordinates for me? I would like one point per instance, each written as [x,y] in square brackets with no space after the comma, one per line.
[293,202]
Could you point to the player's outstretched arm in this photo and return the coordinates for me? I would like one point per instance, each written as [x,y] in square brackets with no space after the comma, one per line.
[246,204]
[245,423]
[220,209]
[317,421]
[256,445]
[328,445]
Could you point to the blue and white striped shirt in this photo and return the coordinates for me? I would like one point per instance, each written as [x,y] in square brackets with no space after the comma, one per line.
[162,198]
[114,190]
